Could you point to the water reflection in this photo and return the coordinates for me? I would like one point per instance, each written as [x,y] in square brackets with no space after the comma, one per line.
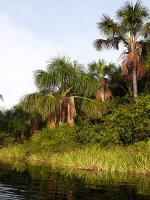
[22,182]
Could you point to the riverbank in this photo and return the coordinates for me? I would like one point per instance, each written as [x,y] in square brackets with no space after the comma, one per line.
[114,143]
[134,158]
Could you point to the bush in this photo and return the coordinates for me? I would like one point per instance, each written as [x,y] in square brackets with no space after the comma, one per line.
[87,134]
[6,139]
[126,123]
[61,138]
[131,122]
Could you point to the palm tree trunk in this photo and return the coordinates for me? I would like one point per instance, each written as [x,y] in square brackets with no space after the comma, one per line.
[22,138]
[71,111]
[60,113]
[103,93]
[135,93]
[52,120]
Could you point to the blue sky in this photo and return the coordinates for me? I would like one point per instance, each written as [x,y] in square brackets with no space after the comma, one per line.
[33,31]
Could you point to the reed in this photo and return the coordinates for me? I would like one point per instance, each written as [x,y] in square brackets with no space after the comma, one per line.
[134,158]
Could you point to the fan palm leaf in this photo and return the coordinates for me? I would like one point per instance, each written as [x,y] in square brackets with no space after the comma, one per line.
[108,27]
[131,28]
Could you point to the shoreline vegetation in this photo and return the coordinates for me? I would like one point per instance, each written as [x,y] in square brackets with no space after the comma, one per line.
[118,143]
[132,159]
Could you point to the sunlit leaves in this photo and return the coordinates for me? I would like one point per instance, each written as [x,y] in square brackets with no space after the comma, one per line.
[132,16]
[41,102]
[130,29]
[94,108]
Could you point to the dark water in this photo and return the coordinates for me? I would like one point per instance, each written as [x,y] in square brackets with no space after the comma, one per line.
[29,183]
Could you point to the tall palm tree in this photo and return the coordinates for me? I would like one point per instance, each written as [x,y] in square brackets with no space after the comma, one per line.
[131,29]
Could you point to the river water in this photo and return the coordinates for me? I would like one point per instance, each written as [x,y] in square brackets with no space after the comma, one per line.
[21,182]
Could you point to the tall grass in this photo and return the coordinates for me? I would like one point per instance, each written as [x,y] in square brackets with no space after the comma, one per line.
[130,159]
[133,158]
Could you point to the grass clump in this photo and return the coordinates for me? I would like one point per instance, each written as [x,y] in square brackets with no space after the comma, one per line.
[134,158]
[116,159]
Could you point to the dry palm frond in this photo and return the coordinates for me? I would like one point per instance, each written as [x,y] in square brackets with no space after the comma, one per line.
[140,69]
[124,68]
[132,59]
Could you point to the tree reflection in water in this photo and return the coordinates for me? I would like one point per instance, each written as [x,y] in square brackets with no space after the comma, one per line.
[19,182]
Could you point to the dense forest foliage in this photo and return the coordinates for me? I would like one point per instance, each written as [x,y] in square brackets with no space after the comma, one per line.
[100,103]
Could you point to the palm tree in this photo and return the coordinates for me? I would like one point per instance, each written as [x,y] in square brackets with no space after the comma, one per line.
[102,72]
[58,86]
[131,29]
[42,102]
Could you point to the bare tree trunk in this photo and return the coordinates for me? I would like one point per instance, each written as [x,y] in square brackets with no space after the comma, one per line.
[70,195]
[100,94]
[68,114]
[22,138]
[63,116]
[60,113]
[33,126]
[103,93]
[71,111]
[52,120]
[135,93]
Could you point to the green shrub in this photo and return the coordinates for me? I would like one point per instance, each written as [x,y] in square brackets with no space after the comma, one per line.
[131,122]
[6,139]
[95,134]
[57,139]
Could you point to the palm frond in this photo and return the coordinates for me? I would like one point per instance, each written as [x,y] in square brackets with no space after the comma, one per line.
[30,101]
[97,68]
[85,85]
[94,108]
[146,30]
[132,16]
[108,27]
[63,70]
[43,103]
[100,44]
[43,80]
[48,104]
